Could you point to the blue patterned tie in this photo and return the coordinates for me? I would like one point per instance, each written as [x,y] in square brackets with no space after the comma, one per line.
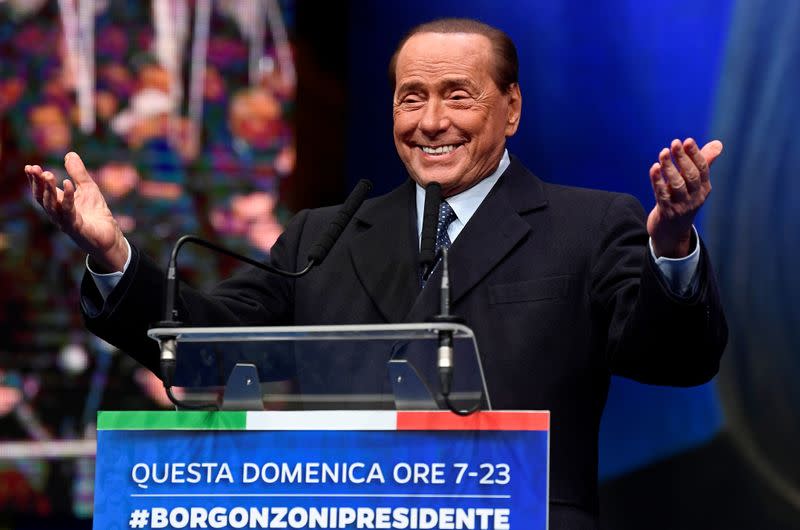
[446,216]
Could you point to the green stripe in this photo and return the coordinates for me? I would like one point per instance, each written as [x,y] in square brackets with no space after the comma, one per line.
[160,420]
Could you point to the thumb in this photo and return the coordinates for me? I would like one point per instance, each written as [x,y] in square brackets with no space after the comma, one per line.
[711,151]
[76,169]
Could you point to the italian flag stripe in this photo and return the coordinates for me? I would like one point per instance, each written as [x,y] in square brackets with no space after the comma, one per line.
[195,420]
[323,420]
[480,421]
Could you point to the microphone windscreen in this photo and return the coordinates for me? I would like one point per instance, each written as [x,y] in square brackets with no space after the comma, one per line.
[343,216]
[430,220]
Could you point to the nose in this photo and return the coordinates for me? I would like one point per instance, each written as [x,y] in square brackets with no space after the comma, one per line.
[434,119]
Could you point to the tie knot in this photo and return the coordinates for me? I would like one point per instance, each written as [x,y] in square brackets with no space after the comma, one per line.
[446,214]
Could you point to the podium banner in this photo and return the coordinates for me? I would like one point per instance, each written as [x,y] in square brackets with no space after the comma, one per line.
[322,469]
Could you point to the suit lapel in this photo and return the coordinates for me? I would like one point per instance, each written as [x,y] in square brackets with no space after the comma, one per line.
[385,250]
[490,235]
[384,253]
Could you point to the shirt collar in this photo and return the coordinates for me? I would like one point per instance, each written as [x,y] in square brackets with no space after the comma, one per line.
[466,203]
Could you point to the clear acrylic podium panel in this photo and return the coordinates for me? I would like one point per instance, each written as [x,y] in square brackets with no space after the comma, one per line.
[368,367]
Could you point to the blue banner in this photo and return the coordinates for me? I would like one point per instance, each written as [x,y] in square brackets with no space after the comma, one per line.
[321,479]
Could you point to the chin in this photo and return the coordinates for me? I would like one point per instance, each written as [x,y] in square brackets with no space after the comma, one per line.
[444,181]
[443,175]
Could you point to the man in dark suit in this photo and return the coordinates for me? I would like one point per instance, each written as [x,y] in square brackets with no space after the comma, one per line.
[561,285]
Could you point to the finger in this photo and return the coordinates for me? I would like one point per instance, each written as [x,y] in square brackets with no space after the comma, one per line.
[712,150]
[691,148]
[675,182]
[38,187]
[58,193]
[32,172]
[68,202]
[686,166]
[29,176]
[660,189]
[76,169]
[52,195]
[49,192]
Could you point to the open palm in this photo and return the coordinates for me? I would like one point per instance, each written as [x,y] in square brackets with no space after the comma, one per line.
[80,211]
[681,183]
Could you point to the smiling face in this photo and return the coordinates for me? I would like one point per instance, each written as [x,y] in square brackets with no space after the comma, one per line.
[450,118]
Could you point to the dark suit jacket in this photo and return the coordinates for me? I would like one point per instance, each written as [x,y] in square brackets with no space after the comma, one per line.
[557,283]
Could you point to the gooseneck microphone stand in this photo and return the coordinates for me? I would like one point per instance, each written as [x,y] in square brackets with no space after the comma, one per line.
[316,255]
[445,352]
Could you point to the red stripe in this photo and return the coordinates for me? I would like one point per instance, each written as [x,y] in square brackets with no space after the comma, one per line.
[480,421]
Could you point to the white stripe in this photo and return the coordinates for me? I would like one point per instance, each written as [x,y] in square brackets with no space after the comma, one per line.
[328,495]
[322,420]
[11,451]
[283,48]
[197,68]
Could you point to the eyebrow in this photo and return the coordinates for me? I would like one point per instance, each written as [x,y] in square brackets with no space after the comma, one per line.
[447,84]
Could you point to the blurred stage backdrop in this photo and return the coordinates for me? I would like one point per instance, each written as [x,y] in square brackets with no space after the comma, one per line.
[222,117]
[183,112]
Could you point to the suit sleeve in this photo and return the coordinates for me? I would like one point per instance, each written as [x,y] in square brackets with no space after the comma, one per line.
[654,336]
[251,297]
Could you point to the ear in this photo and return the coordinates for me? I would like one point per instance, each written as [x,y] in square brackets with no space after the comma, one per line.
[514,109]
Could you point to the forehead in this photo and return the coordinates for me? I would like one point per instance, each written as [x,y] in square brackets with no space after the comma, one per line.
[444,54]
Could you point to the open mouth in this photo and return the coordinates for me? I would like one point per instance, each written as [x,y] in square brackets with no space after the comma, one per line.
[439,150]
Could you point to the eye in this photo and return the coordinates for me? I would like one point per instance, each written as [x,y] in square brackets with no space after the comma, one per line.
[411,99]
[459,95]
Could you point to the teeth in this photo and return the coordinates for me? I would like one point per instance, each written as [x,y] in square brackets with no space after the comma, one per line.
[442,149]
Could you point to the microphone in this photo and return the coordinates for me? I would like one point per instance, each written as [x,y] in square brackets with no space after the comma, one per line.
[444,358]
[316,255]
[445,352]
[343,216]
[430,220]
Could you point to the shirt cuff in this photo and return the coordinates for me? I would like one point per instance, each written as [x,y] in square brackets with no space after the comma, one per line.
[106,282]
[680,273]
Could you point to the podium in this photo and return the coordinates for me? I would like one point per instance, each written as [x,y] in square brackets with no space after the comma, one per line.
[338,442]
[378,366]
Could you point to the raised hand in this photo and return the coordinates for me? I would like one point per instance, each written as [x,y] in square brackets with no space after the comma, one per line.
[81,212]
[681,184]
